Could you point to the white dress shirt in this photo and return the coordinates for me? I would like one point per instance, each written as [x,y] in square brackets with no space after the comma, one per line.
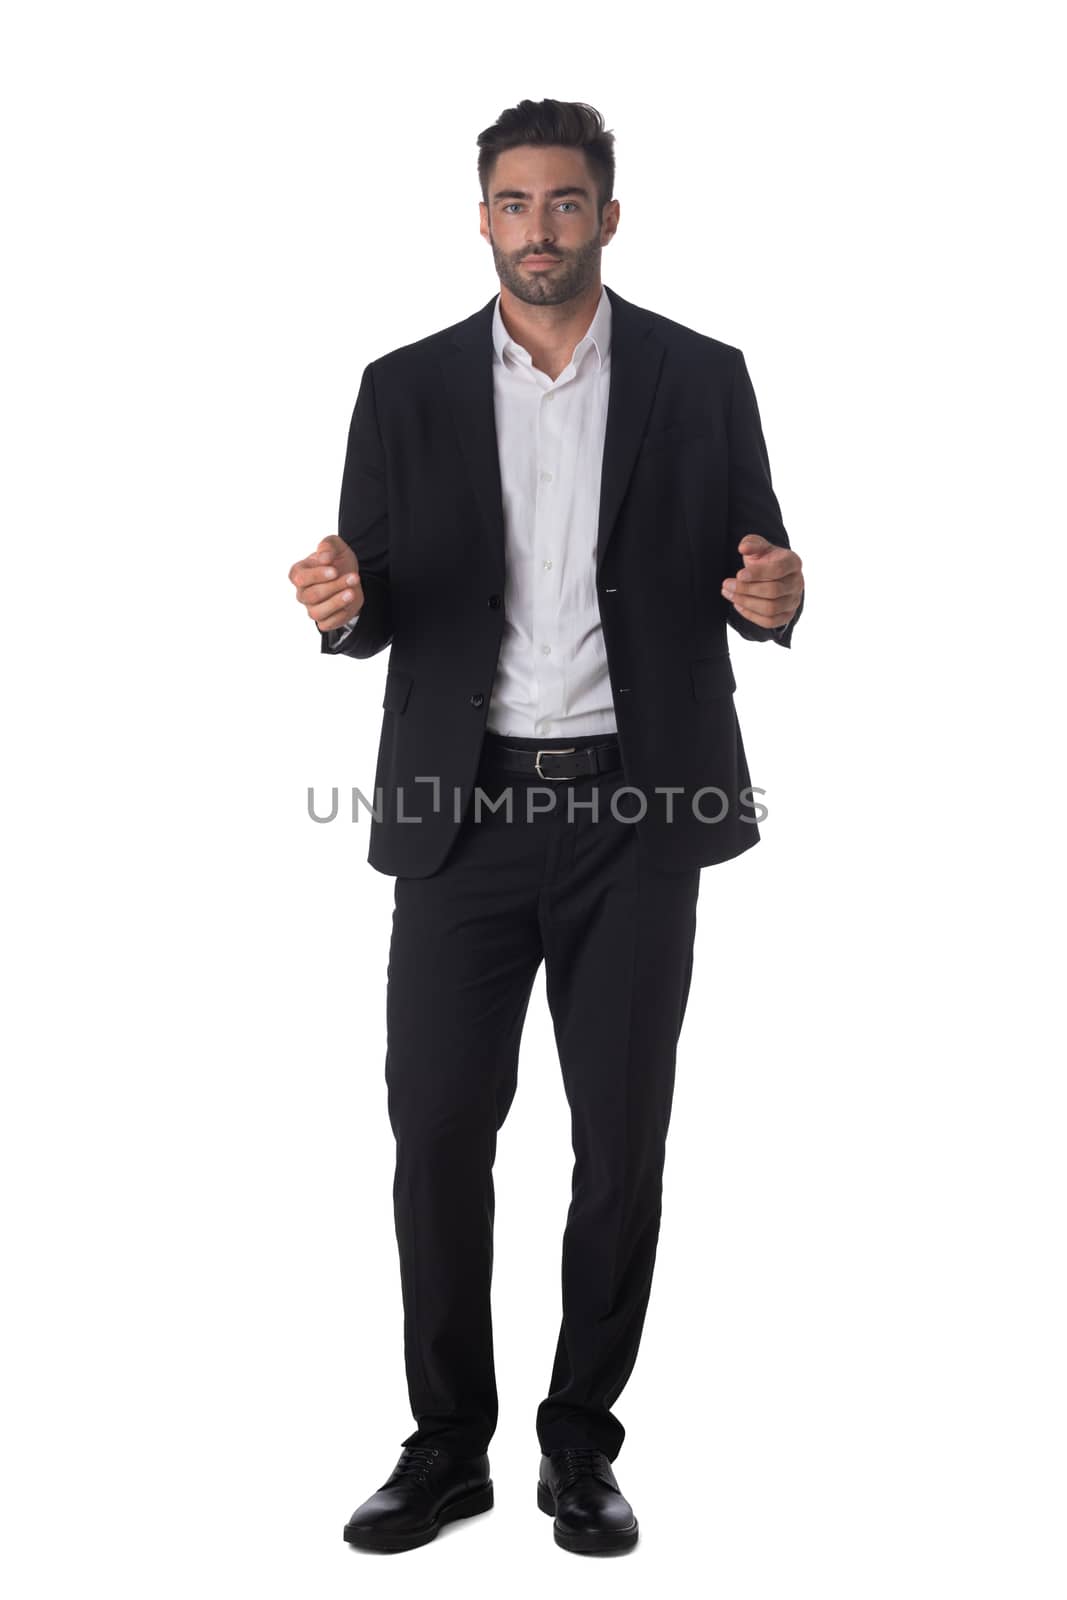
[552,671]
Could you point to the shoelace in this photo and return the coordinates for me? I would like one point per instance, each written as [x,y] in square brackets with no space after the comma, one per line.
[416,1459]
[576,1462]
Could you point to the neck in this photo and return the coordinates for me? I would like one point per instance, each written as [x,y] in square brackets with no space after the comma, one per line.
[550,333]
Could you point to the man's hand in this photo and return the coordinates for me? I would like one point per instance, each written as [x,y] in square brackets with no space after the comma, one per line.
[768,588]
[328,584]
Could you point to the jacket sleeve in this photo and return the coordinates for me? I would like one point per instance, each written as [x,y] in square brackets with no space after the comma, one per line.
[363,524]
[753,504]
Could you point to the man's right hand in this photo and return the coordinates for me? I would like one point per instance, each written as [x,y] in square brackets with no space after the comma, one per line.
[328,585]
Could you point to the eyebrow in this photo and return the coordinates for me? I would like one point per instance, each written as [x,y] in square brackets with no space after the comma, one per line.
[553,194]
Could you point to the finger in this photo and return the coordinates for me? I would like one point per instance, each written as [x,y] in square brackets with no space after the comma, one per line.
[335,553]
[310,570]
[772,563]
[764,588]
[766,594]
[326,555]
[341,594]
[754,544]
[343,605]
[768,613]
[774,619]
[313,594]
[337,619]
[763,608]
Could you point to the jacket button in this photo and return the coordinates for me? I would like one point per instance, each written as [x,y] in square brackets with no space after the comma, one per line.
[477,699]
[494,602]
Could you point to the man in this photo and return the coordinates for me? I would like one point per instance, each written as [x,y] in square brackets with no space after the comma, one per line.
[551,511]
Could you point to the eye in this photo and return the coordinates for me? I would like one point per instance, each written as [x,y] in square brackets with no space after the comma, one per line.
[510,203]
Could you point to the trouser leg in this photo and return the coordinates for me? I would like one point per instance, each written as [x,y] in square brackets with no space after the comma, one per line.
[618,937]
[464,952]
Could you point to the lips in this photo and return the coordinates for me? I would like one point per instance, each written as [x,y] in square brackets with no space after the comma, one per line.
[540,261]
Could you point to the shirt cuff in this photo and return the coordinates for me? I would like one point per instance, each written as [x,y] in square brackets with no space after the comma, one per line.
[338,636]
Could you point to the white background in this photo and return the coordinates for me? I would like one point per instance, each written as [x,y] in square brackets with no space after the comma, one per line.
[852,1379]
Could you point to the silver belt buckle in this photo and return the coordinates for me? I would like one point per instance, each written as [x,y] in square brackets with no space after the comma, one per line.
[569,751]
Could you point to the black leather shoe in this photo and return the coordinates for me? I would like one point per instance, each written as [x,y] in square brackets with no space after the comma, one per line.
[427,1488]
[579,1489]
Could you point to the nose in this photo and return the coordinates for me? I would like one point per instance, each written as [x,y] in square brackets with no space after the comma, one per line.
[546,245]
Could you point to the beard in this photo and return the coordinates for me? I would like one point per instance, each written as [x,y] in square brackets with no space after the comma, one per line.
[551,286]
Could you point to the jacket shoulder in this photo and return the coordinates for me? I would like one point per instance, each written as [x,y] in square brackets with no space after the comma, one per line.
[691,341]
[689,350]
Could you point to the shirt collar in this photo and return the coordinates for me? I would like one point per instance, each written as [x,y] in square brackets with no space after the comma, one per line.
[598,335]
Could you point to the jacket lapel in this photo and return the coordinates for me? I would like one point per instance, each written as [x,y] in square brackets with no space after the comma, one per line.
[467,365]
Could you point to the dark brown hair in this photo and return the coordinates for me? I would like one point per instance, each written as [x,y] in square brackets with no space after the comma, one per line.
[565,122]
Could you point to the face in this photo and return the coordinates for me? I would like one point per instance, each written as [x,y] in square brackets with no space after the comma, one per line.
[542,201]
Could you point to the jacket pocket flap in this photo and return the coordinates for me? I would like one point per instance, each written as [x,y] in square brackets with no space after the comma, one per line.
[397,688]
[712,675]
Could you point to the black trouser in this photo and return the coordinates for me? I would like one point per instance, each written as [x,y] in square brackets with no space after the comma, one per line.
[616,935]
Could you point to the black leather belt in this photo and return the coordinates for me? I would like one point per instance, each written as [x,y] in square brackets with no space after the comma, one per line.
[576,761]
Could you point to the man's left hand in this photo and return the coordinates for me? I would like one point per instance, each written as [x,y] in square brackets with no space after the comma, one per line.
[768,588]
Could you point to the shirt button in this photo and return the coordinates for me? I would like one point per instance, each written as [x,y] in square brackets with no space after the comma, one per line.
[477,699]
[546,649]
[547,565]
[494,602]
[546,477]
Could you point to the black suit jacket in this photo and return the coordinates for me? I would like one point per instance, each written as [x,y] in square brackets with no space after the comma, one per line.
[685,475]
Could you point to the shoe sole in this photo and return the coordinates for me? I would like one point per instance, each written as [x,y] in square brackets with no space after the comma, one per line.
[469,1505]
[585,1544]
